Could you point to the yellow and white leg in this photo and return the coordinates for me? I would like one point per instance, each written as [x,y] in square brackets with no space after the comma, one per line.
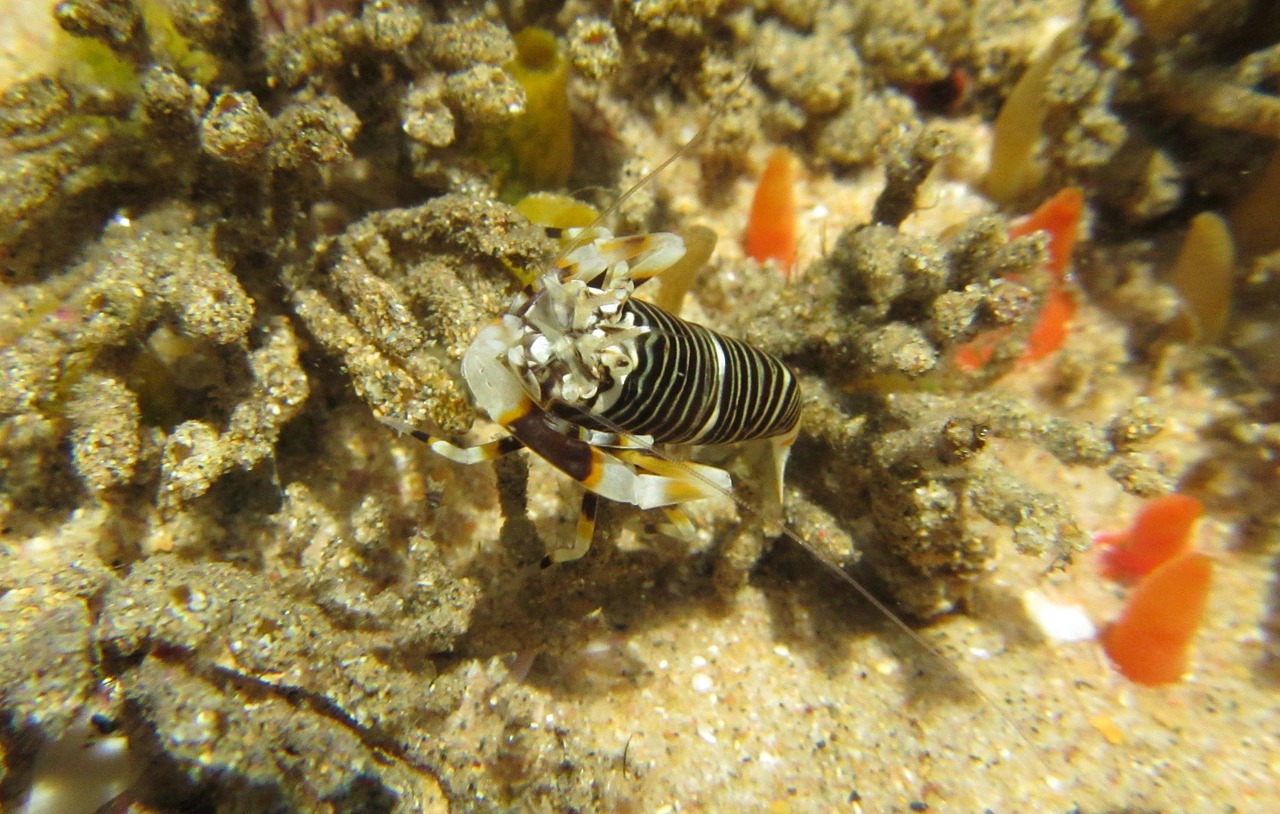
[582,535]
[613,474]
[671,483]
[680,522]
[458,454]
[781,445]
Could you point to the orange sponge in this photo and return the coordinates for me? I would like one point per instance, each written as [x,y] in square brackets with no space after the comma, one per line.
[1161,531]
[771,227]
[1149,642]
[1060,218]
[1052,326]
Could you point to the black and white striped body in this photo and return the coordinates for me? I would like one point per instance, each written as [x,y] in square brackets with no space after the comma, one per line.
[588,378]
[692,385]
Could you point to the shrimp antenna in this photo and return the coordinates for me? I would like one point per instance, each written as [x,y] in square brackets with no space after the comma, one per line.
[582,236]
[863,591]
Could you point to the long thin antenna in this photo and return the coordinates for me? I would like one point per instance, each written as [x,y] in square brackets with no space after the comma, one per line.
[862,590]
[716,113]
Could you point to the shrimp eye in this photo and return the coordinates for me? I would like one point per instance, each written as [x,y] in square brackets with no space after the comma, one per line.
[616,361]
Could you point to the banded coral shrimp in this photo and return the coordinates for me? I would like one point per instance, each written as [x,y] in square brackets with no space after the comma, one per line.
[906,756]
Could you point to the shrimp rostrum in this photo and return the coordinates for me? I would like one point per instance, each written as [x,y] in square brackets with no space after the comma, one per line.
[589,378]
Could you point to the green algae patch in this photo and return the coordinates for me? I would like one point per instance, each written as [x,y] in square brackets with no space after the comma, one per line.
[115,60]
[91,63]
[180,52]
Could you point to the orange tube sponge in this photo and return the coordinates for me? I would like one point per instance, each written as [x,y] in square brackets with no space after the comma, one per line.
[1160,532]
[1052,326]
[771,226]
[1149,642]
[1060,217]
[973,355]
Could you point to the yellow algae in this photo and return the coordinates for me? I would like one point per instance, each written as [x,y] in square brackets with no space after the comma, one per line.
[186,56]
[1203,276]
[1014,168]
[540,140]
[699,243]
[553,210]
